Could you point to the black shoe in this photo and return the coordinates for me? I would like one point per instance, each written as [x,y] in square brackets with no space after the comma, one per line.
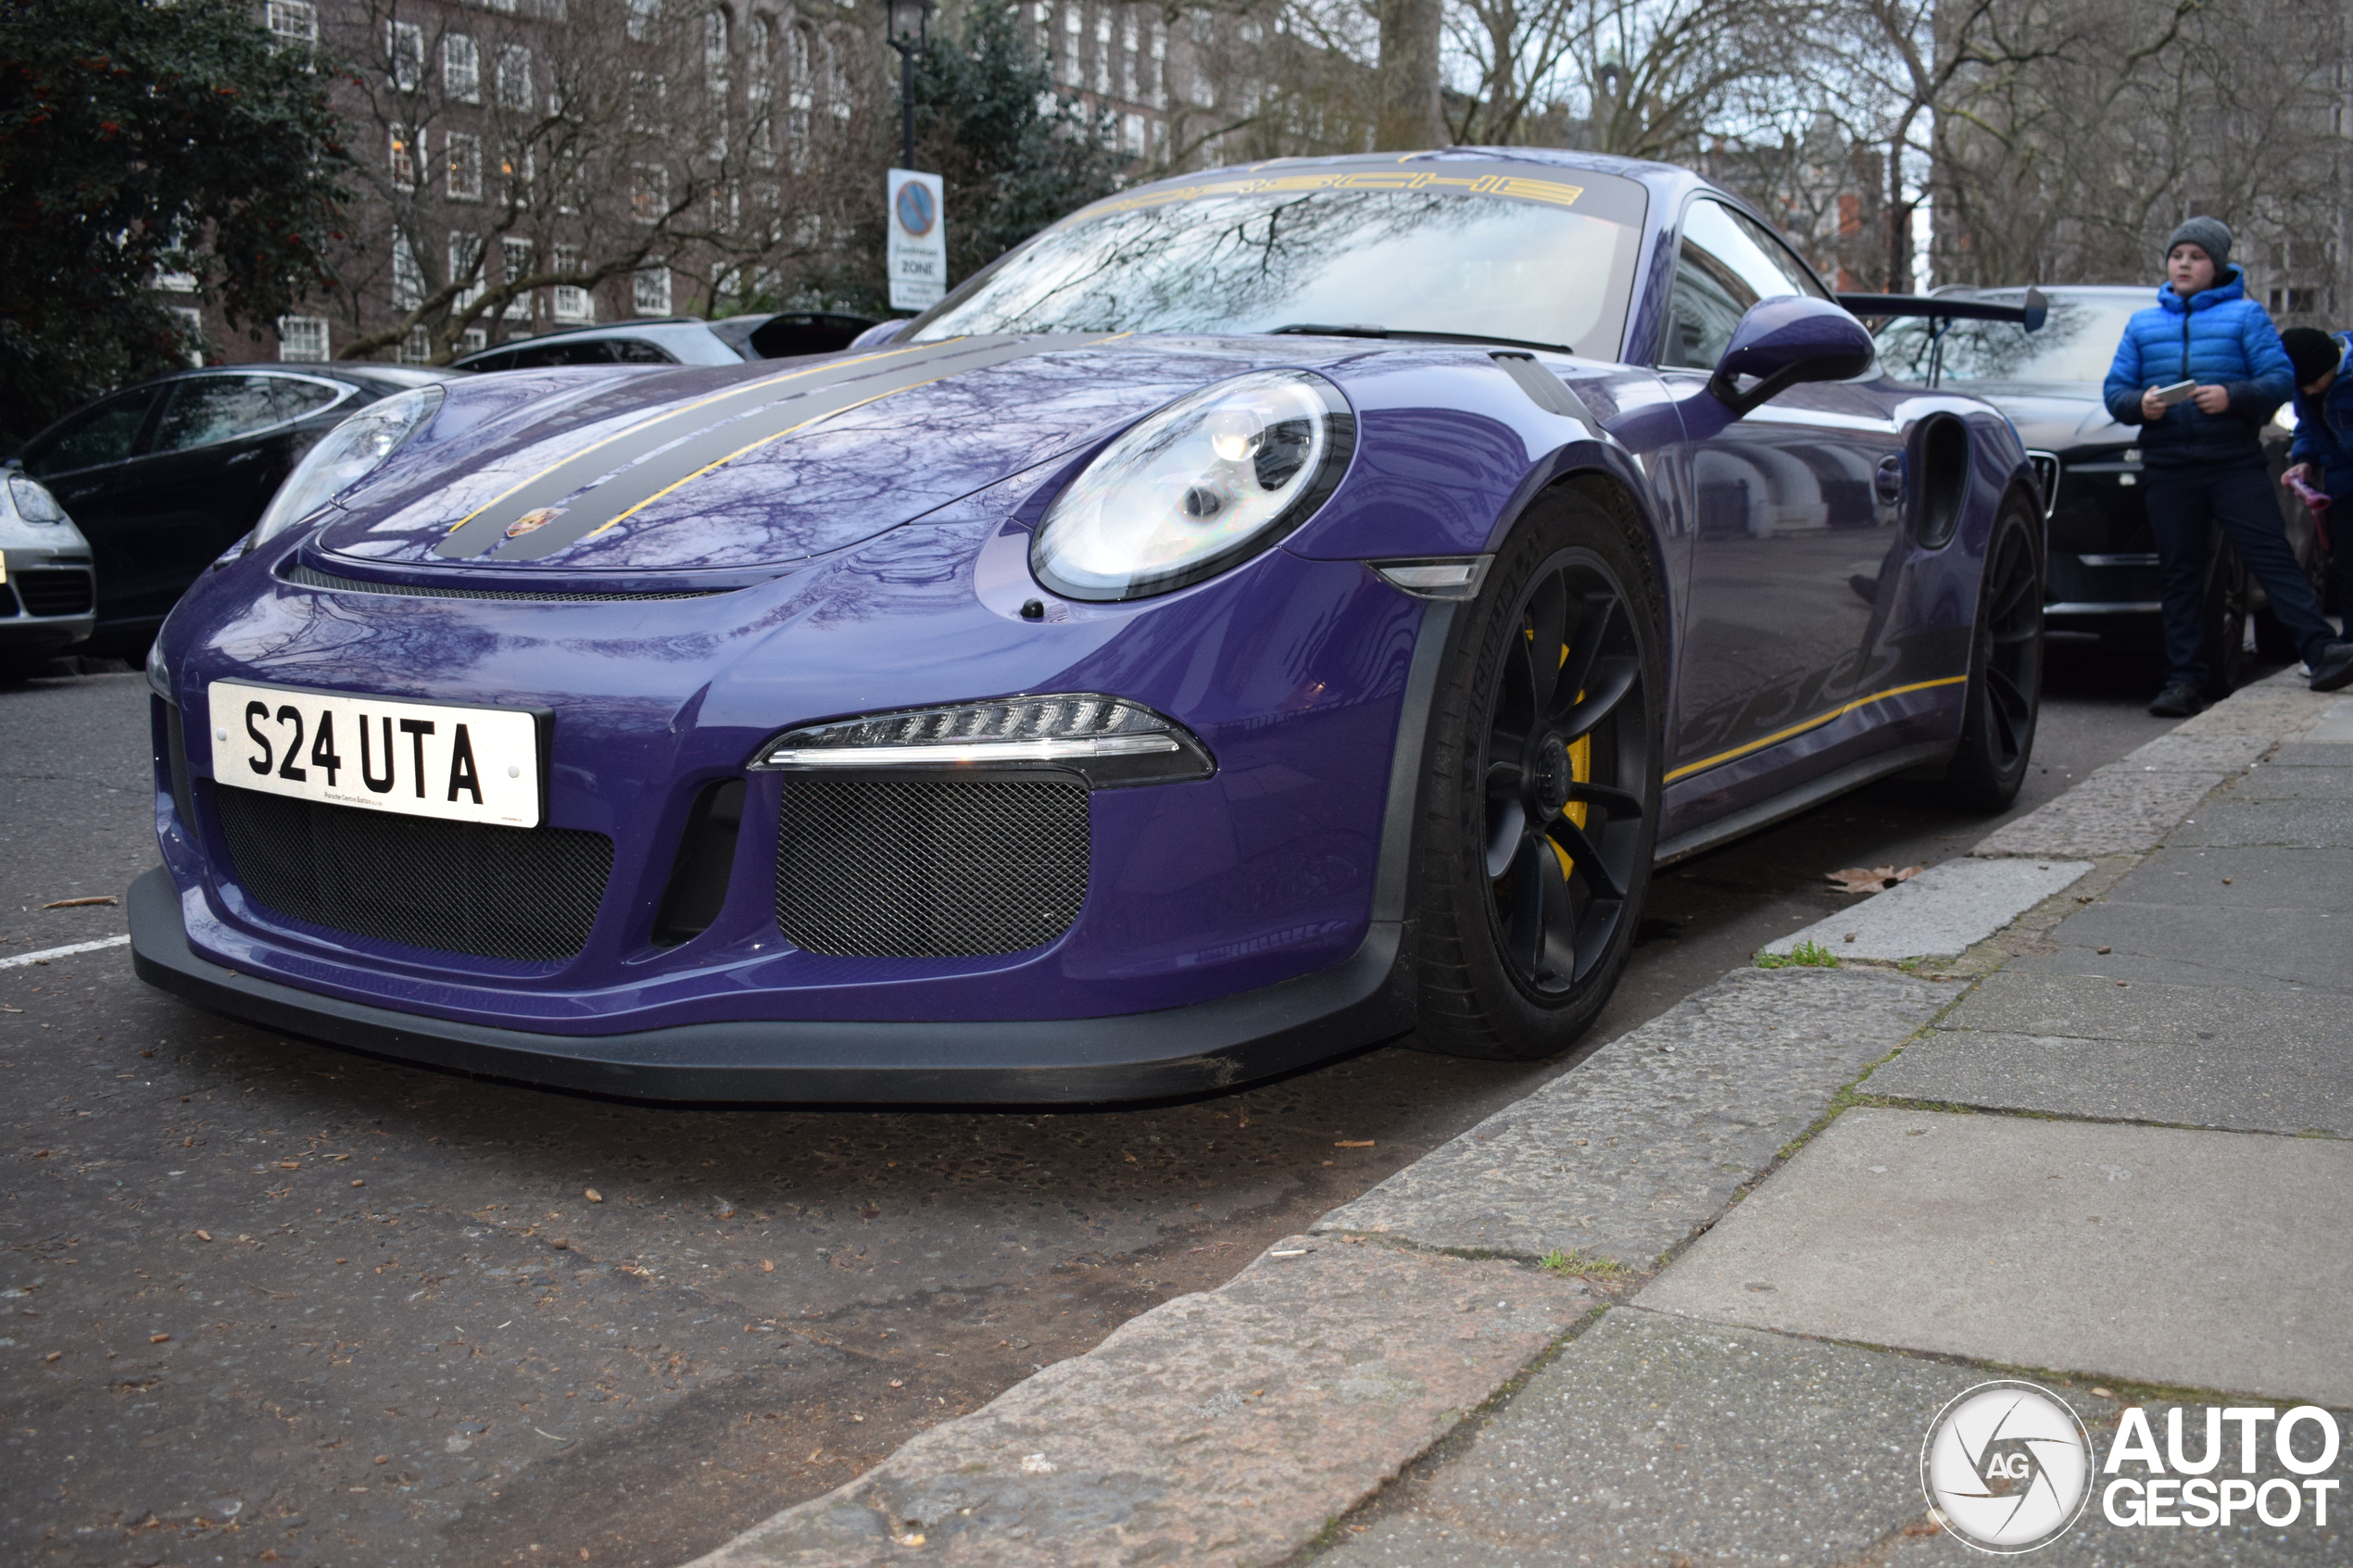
[2179,700]
[2333,668]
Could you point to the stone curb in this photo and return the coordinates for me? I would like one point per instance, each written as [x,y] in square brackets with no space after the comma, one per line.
[1942,912]
[1231,1426]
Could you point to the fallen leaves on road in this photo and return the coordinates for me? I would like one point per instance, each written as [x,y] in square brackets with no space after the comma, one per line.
[82,903]
[593,1196]
[768,1265]
[1354,1142]
[158,1339]
[1854,879]
[204,1235]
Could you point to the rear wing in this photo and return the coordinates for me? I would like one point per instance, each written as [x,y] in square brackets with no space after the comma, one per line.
[1944,309]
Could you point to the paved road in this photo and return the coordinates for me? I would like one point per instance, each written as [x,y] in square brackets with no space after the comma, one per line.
[263,1297]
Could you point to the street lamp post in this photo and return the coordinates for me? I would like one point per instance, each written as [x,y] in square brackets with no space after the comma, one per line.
[909,28]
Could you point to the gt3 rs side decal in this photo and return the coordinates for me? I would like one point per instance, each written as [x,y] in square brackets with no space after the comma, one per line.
[1816,723]
[572,499]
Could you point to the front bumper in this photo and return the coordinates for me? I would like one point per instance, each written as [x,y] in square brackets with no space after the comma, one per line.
[1175,1051]
[48,597]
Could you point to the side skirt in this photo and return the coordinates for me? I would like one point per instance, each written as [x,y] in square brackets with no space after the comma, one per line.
[1812,793]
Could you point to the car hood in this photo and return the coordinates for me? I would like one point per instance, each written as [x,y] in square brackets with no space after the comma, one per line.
[718,470]
[2057,416]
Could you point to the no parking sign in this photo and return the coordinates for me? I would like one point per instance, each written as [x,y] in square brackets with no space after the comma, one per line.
[918,252]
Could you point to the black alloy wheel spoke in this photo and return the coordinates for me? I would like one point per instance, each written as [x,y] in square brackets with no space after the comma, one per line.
[1585,646]
[1609,881]
[1618,677]
[1547,620]
[1507,831]
[1618,802]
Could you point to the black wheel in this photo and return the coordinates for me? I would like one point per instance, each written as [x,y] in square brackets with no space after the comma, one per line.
[1542,806]
[2228,603]
[2006,672]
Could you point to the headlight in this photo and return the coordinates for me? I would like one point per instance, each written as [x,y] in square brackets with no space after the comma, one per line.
[158,673]
[34,502]
[1206,483]
[1110,741]
[346,454]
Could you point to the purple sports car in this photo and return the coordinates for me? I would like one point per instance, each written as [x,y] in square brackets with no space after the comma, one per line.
[1267,613]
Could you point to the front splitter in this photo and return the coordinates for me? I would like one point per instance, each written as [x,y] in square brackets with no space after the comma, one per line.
[1160,1055]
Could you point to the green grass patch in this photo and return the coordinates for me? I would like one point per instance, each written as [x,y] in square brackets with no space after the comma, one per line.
[1805,955]
[1577,1264]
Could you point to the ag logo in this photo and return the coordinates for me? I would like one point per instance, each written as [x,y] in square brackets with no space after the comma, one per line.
[2008,1467]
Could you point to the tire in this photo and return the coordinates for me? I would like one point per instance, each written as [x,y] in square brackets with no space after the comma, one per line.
[1525,915]
[2004,674]
[2228,603]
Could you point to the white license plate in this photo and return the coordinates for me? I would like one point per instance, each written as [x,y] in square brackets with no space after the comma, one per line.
[419,759]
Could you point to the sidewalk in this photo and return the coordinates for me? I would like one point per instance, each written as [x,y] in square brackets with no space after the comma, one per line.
[1750,1249]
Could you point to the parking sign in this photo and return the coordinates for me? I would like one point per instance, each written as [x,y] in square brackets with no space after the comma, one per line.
[918,253]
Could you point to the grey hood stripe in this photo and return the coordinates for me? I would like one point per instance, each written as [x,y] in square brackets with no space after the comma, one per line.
[672,447]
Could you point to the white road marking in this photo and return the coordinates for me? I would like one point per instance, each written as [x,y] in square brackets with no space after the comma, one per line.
[47,954]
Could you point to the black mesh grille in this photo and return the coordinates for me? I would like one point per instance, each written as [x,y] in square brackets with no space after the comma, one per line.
[48,591]
[310,577]
[874,868]
[178,759]
[461,888]
[7,600]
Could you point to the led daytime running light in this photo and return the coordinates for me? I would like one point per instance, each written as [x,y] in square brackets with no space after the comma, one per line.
[1111,741]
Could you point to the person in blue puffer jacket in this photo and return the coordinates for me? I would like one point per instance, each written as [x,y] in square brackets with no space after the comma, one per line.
[2204,457]
[2322,456]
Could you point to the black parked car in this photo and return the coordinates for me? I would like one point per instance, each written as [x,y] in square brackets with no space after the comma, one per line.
[2102,577]
[162,476]
[675,340]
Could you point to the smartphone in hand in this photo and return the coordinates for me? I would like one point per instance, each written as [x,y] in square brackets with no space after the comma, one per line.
[2178,393]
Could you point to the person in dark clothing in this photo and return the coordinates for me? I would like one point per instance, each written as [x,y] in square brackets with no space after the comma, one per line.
[2204,457]
[2322,456]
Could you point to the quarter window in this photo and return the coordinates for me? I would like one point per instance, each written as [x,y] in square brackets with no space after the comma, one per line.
[1727,263]
[100,433]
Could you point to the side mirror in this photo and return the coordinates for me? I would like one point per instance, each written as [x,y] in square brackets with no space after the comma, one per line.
[880,332]
[1783,341]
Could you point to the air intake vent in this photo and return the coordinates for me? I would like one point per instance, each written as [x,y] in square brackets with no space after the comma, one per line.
[312,577]
[47,591]
[876,868]
[461,888]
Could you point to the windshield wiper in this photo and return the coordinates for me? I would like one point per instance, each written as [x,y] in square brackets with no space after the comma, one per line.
[1319,329]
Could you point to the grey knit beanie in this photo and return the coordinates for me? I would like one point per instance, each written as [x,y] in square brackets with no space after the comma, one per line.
[2210,234]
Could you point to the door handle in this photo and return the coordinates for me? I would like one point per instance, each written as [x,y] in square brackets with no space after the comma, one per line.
[1887,482]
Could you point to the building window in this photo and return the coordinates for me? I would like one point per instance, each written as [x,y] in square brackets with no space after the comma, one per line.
[514,76]
[760,94]
[416,348]
[407,278]
[1159,73]
[465,166]
[302,337]
[191,332]
[643,16]
[1127,57]
[1103,54]
[648,105]
[405,49]
[1131,134]
[461,67]
[514,262]
[571,303]
[1071,43]
[516,173]
[473,340]
[648,192]
[465,268]
[293,24]
[653,291]
[404,159]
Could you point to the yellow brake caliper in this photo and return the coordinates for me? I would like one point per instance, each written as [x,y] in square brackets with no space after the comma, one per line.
[1581,771]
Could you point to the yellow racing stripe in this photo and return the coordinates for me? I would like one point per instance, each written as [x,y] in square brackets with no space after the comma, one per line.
[1816,723]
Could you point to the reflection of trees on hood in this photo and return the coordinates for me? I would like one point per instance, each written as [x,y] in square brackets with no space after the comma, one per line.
[1221,263]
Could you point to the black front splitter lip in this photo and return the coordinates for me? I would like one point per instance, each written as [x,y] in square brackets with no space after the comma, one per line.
[1162,1055]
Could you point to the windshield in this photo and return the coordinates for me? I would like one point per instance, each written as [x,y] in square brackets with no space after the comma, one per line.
[2077,343]
[1553,270]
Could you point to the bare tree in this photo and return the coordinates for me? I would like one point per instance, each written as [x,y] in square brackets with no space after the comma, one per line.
[528,156]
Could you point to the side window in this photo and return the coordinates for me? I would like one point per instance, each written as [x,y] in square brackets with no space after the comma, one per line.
[632,351]
[298,399]
[210,409]
[100,433]
[1726,264]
